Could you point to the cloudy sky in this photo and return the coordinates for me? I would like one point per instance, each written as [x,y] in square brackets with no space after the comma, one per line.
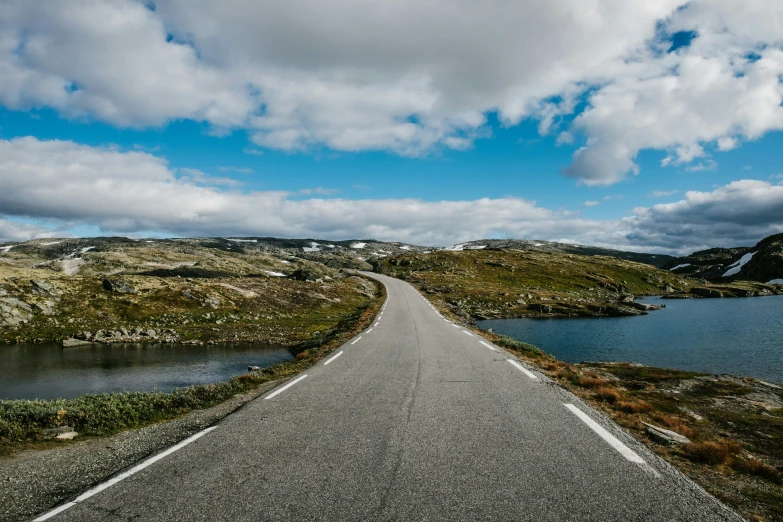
[648,125]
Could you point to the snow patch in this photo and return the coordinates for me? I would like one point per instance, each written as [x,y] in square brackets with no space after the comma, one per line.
[71,266]
[405,247]
[243,240]
[6,249]
[86,249]
[329,246]
[285,262]
[455,248]
[538,244]
[736,267]
[51,243]
[679,266]
[477,247]
[275,274]
[359,245]
[775,282]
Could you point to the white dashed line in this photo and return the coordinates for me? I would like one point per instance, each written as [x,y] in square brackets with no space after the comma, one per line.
[357,340]
[467,332]
[122,476]
[284,388]
[624,450]
[488,346]
[333,358]
[454,325]
[522,369]
[368,331]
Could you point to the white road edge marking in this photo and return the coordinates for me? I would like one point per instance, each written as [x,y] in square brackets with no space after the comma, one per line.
[357,340]
[454,325]
[368,331]
[122,476]
[467,332]
[522,369]
[624,450]
[333,358]
[284,388]
[488,346]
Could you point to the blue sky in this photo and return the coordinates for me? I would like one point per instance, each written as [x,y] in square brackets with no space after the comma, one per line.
[663,134]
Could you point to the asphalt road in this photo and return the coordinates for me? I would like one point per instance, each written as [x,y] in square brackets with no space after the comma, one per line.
[416,419]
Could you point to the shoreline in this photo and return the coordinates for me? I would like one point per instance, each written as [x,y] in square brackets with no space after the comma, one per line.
[23,423]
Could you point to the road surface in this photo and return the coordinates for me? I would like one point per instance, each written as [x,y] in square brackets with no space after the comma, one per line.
[416,418]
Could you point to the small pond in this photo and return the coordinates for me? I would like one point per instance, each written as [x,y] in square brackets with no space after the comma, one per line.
[48,371]
[737,336]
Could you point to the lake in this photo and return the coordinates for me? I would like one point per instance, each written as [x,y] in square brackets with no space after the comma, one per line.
[737,336]
[48,371]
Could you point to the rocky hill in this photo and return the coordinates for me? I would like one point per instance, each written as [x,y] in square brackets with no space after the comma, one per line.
[551,247]
[194,290]
[762,262]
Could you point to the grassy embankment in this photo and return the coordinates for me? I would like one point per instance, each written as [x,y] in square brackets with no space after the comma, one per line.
[22,422]
[735,425]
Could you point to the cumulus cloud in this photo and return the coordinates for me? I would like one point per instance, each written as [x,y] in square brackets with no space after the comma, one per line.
[131,192]
[740,213]
[15,231]
[409,76]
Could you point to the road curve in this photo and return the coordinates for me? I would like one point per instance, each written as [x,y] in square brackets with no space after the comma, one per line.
[414,419]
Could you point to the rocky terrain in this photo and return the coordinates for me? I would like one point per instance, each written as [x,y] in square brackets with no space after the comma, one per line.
[503,283]
[762,263]
[551,247]
[193,290]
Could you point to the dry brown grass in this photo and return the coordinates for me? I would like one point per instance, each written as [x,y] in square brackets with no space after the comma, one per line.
[591,382]
[710,452]
[751,466]
[607,394]
[675,424]
[634,406]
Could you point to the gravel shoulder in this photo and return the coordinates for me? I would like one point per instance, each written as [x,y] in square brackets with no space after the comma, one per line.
[32,481]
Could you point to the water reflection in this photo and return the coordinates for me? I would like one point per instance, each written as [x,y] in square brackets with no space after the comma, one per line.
[44,371]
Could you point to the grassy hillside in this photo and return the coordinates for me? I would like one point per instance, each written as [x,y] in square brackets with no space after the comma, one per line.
[478,284]
[169,291]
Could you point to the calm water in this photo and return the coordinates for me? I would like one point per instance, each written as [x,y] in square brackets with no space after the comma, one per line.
[40,371]
[738,336]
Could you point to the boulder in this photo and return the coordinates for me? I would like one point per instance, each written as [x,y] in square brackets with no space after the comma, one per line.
[665,436]
[14,312]
[118,286]
[41,287]
[46,308]
[71,342]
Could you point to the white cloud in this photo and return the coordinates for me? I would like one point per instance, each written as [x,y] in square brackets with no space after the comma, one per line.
[740,213]
[702,166]
[127,192]
[591,203]
[15,231]
[407,76]
[68,184]
[664,193]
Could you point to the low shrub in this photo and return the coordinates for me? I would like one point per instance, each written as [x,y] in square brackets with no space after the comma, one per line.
[709,452]
[607,394]
[751,466]
[634,406]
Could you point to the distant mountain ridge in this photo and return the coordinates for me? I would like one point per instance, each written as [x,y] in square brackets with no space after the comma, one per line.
[762,262]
